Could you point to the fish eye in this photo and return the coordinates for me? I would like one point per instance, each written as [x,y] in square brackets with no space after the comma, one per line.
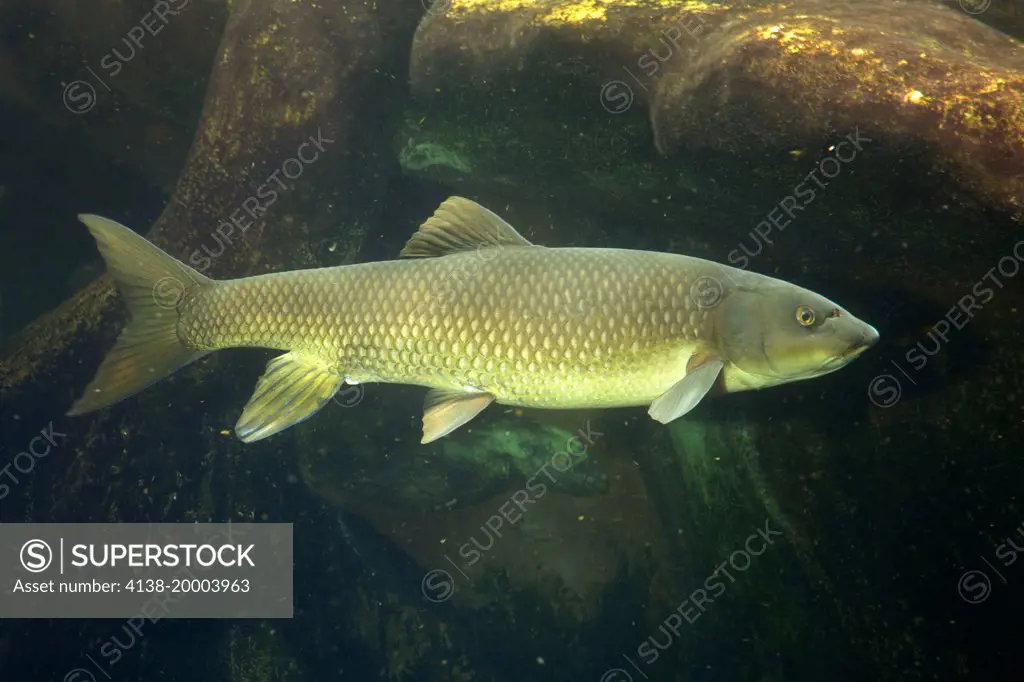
[805,316]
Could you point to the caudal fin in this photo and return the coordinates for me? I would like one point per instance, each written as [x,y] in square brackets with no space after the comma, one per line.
[154,286]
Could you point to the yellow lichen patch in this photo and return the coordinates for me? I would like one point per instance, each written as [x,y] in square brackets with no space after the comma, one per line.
[858,52]
[964,110]
[914,97]
[576,12]
[259,76]
[994,85]
[265,37]
[796,39]
[299,115]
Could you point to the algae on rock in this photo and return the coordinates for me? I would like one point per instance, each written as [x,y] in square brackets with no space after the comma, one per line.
[457,471]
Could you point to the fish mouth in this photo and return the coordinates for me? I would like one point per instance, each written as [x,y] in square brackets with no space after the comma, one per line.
[844,358]
[869,337]
[855,351]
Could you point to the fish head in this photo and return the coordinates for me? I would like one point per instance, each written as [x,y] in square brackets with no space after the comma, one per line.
[778,333]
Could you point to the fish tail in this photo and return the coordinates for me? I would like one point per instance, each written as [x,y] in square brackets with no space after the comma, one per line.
[155,288]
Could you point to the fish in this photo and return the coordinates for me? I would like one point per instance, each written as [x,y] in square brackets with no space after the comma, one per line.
[477,314]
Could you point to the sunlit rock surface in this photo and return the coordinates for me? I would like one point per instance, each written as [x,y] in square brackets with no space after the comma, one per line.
[741,77]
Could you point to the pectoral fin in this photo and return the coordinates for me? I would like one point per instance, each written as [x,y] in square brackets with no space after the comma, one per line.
[292,389]
[445,411]
[687,392]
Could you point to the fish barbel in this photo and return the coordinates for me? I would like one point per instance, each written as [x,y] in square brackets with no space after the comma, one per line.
[477,314]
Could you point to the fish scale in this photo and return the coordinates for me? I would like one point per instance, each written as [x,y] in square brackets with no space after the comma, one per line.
[533,326]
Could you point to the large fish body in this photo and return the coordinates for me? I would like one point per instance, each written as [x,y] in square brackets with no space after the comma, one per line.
[477,314]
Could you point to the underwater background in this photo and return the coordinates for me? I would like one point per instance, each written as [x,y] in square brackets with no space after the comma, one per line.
[862,526]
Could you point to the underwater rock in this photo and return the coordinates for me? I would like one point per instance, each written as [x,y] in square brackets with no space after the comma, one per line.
[421,156]
[737,78]
[129,78]
[714,488]
[455,472]
[554,532]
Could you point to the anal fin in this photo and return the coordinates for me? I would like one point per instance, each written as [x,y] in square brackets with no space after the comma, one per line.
[686,393]
[446,410]
[292,389]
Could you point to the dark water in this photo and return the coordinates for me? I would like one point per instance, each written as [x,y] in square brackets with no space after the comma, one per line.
[860,526]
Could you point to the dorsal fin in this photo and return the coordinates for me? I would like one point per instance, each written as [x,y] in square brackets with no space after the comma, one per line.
[459,224]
